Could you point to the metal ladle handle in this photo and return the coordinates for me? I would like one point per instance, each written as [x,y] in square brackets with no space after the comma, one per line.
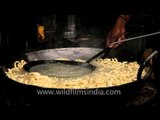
[97,55]
[137,37]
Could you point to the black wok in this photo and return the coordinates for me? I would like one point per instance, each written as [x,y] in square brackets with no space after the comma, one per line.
[22,94]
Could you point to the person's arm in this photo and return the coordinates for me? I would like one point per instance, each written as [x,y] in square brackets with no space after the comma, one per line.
[118,32]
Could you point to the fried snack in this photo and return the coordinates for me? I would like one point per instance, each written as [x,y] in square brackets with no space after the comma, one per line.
[109,72]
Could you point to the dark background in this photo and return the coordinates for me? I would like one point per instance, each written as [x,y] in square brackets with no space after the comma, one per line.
[18,24]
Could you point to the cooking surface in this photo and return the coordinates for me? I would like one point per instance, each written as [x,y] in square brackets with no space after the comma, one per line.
[9,96]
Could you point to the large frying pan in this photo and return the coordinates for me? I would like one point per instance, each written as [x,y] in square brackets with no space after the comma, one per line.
[27,94]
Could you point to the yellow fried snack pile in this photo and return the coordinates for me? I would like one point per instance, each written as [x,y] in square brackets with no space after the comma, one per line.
[109,72]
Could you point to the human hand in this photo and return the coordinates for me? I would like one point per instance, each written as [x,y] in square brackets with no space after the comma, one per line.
[116,34]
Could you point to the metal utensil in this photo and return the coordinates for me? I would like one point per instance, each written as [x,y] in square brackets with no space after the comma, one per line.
[95,56]
[137,37]
[65,69]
